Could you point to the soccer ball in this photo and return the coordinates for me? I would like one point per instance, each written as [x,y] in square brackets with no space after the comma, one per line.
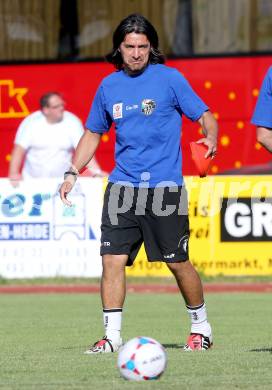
[142,359]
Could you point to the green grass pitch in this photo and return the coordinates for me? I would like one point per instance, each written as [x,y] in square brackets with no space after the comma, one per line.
[43,337]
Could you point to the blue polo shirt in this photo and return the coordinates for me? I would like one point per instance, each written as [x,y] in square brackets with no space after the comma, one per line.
[263,111]
[147,112]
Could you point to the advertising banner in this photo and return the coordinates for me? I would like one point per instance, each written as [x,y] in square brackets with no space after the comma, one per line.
[228,85]
[40,237]
[230,227]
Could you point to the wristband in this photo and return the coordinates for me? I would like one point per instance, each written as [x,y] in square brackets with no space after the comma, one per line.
[72,175]
[74,169]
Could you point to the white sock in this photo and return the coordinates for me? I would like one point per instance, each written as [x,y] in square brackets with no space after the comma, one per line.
[112,322]
[199,322]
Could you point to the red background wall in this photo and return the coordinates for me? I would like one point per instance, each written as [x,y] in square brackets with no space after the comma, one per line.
[228,85]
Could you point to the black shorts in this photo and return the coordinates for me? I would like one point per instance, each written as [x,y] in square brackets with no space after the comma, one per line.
[157,217]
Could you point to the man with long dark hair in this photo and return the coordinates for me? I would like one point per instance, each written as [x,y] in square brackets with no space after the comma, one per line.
[145,200]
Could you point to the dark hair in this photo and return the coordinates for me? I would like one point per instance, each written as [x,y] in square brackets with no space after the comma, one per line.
[44,100]
[140,25]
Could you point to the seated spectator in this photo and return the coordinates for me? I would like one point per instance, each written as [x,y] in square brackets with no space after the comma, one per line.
[45,142]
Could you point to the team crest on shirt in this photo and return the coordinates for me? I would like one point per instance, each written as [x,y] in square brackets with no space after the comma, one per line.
[117,111]
[148,106]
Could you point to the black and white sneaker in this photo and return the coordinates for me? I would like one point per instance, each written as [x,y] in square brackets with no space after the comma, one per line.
[198,342]
[104,345]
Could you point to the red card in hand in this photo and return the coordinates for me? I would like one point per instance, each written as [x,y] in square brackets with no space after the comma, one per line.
[198,155]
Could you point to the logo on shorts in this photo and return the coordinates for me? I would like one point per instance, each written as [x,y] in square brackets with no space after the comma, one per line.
[117,111]
[105,243]
[185,245]
[184,242]
[148,106]
[170,256]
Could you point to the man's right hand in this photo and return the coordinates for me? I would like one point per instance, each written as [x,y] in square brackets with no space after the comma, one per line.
[15,179]
[64,190]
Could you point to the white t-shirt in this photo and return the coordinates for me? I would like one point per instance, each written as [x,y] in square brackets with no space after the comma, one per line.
[49,147]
